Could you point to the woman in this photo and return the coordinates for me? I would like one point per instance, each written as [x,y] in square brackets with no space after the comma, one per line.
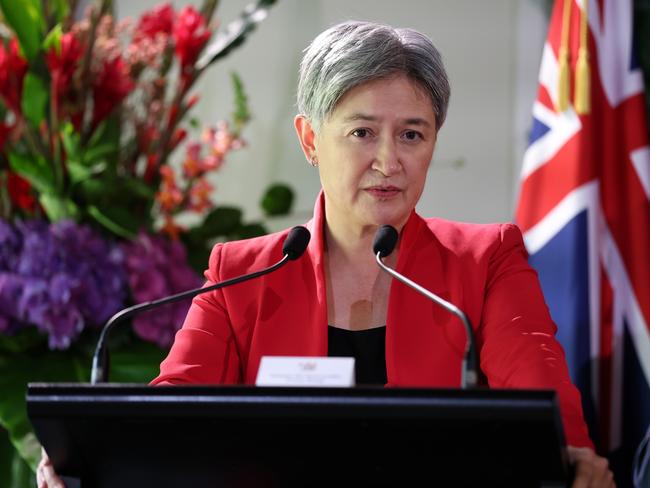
[372,100]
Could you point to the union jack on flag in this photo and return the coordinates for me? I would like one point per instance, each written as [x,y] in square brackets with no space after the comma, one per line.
[584,210]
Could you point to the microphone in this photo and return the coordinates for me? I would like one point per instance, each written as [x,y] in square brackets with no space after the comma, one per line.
[383,245]
[294,246]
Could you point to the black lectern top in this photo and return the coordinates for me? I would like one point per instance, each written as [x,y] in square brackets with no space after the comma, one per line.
[135,436]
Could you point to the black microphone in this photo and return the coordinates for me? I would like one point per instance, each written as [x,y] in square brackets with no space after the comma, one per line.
[294,246]
[383,245]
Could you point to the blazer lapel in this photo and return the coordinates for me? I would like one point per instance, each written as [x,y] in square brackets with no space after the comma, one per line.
[424,342]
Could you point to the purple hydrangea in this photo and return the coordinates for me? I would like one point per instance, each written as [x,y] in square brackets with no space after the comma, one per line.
[156,268]
[59,277]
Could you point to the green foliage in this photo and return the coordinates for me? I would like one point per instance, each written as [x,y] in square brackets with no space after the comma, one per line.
[241,115]
[26,19]
[57,207]
[34,100]
[277,200]
[34,169]
[60,9]
[105,172]
[24,359]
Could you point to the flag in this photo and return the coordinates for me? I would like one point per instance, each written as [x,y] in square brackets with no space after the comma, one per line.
[584,210]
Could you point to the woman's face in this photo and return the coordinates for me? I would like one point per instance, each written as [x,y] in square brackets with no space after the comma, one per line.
[374,152]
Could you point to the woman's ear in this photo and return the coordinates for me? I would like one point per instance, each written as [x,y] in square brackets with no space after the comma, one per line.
[306,135]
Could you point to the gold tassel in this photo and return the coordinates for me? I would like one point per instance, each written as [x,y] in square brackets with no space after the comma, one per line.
[582,100]
[563,81]
[564,74]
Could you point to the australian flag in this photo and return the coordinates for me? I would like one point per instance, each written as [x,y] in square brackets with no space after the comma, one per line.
[584,210]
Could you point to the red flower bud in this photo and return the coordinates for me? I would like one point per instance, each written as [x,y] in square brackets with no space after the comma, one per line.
[109,88]
[12,73]
[20,192]
[190,35]
[62,64]
[159,20]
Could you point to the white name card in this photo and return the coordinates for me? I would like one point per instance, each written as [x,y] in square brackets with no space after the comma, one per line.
[305,371]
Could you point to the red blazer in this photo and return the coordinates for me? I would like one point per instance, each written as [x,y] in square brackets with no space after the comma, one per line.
[483,269]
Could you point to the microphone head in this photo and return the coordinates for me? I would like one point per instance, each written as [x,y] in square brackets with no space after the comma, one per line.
[385,241]
[296,242]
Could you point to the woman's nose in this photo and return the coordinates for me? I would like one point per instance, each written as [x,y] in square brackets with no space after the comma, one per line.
[387,158]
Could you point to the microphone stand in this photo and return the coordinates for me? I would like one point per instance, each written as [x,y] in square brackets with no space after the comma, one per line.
[469,375]
[99,372]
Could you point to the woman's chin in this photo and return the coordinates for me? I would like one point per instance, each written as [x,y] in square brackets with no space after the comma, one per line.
[379,217]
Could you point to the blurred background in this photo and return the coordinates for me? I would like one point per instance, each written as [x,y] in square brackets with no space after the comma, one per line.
[491,51]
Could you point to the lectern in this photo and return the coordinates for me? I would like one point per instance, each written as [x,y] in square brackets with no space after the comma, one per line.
[139,436]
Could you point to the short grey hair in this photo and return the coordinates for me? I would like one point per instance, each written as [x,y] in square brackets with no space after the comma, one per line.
[351,53]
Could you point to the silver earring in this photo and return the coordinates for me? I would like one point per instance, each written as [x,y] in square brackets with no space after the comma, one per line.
[313,161]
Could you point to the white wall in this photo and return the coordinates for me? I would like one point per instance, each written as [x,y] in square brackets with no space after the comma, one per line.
[491,51]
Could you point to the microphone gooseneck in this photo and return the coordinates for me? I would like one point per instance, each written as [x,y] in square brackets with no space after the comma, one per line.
[294,246]
[383,245]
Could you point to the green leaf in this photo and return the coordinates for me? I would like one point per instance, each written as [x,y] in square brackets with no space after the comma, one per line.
[197,249]
[118,220]
[34,99]
[139,188]
[61,9]
[26,339]
[58,207]
[26,19]
[80,172]
[138,362]
[35,170]
[99,152]
[53,38]
[71,142]
[14,472]
[220,222]
[242,114]
[16,371]
[248,231]
[277,200]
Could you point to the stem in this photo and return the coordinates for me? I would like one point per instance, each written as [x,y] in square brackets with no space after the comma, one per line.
[34,143]
[207,10]
[95,16]
[56,145]
[163,146]
[67,23]
[5,201]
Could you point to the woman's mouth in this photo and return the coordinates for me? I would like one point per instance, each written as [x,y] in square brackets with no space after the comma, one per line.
[383,191]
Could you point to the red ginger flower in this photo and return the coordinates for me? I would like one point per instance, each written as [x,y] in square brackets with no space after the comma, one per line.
[12,73]
[110,87]
[190,35]
[5,132]
[20,192]
[158,20]
[63,63]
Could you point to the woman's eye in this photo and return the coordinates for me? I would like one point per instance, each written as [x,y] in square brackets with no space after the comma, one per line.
[412,135]
[361,133]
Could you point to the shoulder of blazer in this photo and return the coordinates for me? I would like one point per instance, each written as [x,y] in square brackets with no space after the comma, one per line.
[233,258]
[469,239]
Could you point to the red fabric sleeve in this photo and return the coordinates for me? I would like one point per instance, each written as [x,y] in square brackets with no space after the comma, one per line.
[204,350]
[519,349]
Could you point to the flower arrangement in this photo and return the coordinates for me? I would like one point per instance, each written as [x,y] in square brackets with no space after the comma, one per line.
[92,195]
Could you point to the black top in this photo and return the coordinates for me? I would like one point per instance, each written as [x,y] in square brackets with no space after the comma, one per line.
[367,347]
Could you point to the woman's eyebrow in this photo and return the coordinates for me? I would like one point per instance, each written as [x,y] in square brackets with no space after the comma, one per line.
[371,118]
